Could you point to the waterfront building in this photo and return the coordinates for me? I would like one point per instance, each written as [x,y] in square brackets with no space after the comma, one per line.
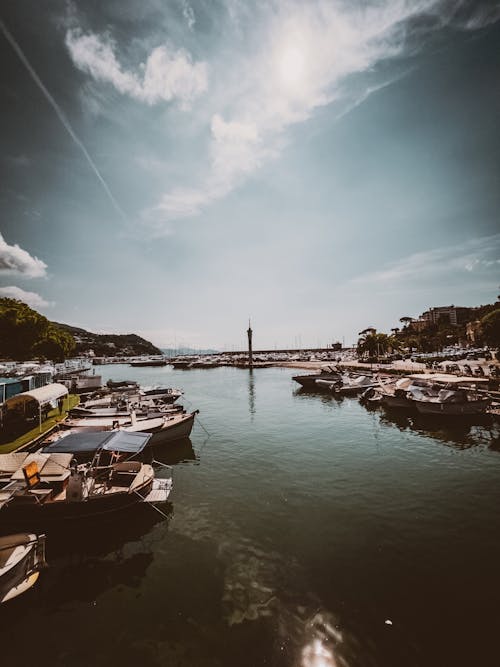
[453,314]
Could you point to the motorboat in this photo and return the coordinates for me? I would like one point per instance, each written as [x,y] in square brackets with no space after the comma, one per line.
[162,394]
[148,362]
[348,385]
[22,556]
[134,394]
[142,410]
[451,402]
[42,487]
[327,373]
[164,428]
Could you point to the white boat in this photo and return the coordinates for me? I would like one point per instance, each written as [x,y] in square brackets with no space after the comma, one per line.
[164,428]
[348,385]
[451,402]
[22,556]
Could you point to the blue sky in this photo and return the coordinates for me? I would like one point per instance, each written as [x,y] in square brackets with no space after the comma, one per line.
[172,168]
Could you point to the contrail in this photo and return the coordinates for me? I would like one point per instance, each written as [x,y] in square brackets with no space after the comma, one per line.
[61,116]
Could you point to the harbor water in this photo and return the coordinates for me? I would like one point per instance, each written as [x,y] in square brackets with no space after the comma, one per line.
[302,531]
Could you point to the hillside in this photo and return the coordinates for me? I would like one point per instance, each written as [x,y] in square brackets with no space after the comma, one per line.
[109,345]
[25,334]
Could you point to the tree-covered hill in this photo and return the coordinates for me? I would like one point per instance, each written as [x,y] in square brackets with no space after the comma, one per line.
[109,345]
[25,334]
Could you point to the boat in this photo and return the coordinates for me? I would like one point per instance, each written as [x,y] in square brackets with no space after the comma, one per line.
[348,385]
[451,402]
[163,394]
[43,487]
[130,394]
[164,428]
[148,362]
[309,381]
[122,385]
[142,410]
[22,556]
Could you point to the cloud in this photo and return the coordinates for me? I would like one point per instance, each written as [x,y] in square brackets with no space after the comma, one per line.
[236,150]
[476,255]
[304,56]
[31,298]
[16,261]
[188,13]
[166,75]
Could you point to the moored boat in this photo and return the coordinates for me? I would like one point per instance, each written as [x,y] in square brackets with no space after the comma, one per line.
[452,402]
[148,362]
[39,488]
[164,428]
[308,381]
[22,555]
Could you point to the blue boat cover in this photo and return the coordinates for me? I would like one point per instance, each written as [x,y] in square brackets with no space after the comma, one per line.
[116,441]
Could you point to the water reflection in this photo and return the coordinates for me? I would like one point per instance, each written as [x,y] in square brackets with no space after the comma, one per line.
[180,451]
[251,392]
[88,558]
[323,641]
[460,433]
[326,397]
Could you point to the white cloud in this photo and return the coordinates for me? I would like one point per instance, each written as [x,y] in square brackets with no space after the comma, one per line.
[166,75]
[236,150]
[188,13]
[31,298]
[16,261]
[305,53]
[481,254]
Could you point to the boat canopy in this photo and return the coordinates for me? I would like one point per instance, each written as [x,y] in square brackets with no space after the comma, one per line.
[116,441]
[43,395]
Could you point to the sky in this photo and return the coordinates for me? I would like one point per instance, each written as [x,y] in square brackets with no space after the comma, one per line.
[173,167]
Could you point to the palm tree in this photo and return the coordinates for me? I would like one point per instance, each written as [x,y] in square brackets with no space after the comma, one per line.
[376,344]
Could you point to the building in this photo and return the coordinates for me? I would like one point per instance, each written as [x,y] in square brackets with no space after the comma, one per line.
[418,325]
[452,314]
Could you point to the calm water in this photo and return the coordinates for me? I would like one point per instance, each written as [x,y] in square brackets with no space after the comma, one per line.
[304,532]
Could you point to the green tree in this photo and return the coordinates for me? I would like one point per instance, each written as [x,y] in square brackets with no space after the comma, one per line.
[490,325]
[24,333]
[376,344]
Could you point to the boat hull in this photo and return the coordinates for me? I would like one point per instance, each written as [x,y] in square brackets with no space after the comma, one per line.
[399,402]
[23,573]
[453,409]
[138,364]
[40,515]
[172,433]
[309,381]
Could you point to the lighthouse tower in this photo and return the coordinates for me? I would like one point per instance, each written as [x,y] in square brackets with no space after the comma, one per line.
[250,355]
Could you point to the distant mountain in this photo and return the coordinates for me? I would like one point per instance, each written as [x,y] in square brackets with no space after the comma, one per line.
[109,345]
[171,352]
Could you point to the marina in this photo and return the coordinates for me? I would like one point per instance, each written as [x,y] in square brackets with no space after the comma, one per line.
[326,480]
[249,334]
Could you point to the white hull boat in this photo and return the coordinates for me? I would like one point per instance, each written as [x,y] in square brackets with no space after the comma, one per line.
[22,556]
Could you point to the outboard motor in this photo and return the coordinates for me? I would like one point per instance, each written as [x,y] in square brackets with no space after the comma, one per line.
[76,482]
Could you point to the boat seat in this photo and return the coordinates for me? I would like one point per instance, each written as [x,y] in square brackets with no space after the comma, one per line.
[127,466]
[41,494]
